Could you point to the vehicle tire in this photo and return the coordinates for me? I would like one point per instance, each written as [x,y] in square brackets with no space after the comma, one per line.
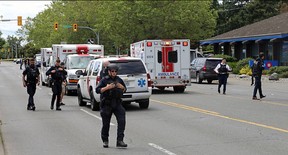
[179,89]
[161,88]
[198,80]
[80,98]
[209,81]
[94,104]
[144,104]
[43,83]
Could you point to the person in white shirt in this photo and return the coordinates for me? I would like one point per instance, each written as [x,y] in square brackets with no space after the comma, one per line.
[222,70]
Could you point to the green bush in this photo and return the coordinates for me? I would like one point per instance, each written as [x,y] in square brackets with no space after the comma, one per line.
[284,75]
[240,64]
[227,57]
[278,70]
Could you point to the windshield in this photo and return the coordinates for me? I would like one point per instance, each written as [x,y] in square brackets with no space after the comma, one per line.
[130,67]
[38,58]
[79,62]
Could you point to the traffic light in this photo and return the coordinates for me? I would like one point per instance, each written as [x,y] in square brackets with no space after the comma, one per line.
[56,26]
[75,27]
[19,20]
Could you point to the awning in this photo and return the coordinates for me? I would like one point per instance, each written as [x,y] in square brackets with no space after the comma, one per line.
[254,38]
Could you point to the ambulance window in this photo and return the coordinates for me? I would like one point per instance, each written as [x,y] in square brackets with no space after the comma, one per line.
[159,55]
[96,68]
[172,56]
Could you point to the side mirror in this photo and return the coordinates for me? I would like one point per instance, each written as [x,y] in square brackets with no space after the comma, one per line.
[44,64]
[79,73]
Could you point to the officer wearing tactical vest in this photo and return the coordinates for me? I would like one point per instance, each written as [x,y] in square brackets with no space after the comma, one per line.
[111,89]
[257,68]
[57,73]
[222,70]
[30,81]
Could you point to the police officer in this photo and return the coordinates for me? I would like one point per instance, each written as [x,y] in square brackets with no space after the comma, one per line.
[30,81]
[222,71]
[111,89]
[57,73]
[258,67]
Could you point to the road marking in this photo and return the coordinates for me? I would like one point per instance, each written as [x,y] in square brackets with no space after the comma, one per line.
[212,113]
[89,113]
[161,149]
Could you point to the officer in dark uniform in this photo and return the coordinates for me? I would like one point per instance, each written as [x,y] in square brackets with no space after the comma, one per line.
[30,81]
[57,73]
[111,89]
[257,68]
[222,70]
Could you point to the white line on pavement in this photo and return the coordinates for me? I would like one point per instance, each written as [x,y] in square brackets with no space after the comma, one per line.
[161,149]
[94,115]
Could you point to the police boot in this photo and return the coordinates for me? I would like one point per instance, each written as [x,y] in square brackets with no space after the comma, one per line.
[121,144]
[105,144]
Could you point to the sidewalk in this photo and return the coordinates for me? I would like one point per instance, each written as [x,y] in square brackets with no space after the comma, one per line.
[264,78]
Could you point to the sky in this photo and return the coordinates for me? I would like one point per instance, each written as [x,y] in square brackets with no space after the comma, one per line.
[12,9]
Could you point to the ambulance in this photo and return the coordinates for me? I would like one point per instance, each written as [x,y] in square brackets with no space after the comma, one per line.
[45,55]
[75,57]
[168,62]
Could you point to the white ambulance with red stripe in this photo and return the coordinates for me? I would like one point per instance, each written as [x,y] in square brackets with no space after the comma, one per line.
[45,55]
[75,57]
[167,61]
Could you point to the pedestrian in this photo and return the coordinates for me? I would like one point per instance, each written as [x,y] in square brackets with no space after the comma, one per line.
[111,89]
[63,84]
[21,64]
[252,77]
[258,67]
[25,62]
[57,73]
[222,70]
[30,78]
[104,71]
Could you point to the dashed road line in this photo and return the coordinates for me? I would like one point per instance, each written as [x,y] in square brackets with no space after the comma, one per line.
[161,149]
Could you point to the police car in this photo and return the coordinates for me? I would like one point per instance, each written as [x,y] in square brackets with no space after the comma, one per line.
[133,72]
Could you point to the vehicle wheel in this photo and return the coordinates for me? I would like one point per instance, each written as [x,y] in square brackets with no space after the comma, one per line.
[209,81]
[161,88]
[144,104]
[80,98]
[94,104]
[198,80]
[43,83]
[178,89]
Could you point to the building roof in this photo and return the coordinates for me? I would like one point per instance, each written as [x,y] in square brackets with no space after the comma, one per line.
[271,28]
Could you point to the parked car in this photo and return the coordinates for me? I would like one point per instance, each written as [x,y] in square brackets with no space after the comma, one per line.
[133,72]
[203,69]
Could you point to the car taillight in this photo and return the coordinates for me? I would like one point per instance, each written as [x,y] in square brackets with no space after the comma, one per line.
[97,80]
[149,80]
[204,68]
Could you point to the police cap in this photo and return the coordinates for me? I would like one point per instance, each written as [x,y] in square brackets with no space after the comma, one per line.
[112,67]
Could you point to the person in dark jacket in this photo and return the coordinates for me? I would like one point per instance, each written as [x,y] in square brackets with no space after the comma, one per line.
[111,89]
[30,78]
[57,73]
[222,70]
[257,68]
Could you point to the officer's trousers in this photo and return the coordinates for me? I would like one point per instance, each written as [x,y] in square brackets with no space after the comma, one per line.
[106,112]
[257,86]
[222,81]
[56,89]
[31,90]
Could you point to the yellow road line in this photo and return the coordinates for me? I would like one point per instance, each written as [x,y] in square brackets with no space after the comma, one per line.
[212,113]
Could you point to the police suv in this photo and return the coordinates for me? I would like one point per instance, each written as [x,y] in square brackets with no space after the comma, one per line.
[133,72]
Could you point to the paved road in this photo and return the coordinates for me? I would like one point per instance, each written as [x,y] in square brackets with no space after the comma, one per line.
[199,121]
